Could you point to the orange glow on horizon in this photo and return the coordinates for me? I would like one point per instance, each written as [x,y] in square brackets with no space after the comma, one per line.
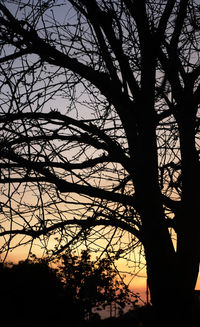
[137,284]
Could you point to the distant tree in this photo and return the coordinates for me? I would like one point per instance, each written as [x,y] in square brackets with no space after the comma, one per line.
[93,285]
[100,128]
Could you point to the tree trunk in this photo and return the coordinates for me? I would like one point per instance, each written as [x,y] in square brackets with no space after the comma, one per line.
[160,259]
[188,222]
[171,280]
[170,277]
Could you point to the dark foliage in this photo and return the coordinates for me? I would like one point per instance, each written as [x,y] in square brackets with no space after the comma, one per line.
[93,284]
[37,294]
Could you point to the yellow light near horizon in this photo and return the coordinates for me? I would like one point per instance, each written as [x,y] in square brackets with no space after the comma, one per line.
[198,283]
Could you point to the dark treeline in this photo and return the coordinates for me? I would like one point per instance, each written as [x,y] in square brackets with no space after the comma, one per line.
[35,294]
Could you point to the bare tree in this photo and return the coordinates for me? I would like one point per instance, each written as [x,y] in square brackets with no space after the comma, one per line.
[100,131]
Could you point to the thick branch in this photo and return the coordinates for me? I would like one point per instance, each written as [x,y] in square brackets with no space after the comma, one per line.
[67,165]
[171,204]
[64,186]
[138,11]
[82,223]
[15,55]
[104,20]
[179,24]
[164,20]
[109,145]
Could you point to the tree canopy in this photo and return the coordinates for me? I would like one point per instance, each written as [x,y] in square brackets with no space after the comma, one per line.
[94,284]
[99,130]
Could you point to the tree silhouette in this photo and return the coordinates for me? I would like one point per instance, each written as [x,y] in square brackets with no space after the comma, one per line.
[100,128]
[93,285]
[39,294]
